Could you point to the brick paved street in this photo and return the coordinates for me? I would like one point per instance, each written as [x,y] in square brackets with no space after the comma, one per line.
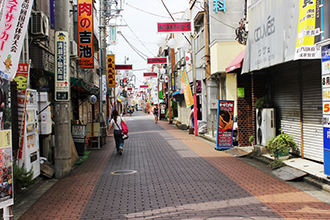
[178,176]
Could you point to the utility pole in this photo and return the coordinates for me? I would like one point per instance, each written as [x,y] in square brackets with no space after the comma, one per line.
[62,108]
[102,56]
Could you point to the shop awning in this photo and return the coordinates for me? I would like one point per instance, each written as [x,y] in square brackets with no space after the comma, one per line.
[176,93]
[236,63]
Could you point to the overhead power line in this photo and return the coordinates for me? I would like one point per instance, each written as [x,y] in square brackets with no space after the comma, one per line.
[138,38]
[142,55]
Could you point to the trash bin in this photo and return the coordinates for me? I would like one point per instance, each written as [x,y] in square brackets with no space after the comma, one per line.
[79,135]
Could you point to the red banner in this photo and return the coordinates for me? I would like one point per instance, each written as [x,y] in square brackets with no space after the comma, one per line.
[85,34]
[157,60]
[151,74]
[124,67]
[144,86]
[174,27]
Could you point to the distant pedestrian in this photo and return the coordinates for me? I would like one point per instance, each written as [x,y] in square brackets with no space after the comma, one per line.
[192,118]
[155,112]
[117,131]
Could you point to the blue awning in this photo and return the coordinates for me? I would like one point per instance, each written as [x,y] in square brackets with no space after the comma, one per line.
[176,93]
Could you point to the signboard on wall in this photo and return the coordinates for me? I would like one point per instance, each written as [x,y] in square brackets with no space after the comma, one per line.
[62,68]
[111,77]
[22,77]
[225,122]
[85,34]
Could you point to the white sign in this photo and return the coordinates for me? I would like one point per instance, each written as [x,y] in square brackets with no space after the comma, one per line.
[166,78]
[104,87]
[14,18]
[62,68]
[162,77]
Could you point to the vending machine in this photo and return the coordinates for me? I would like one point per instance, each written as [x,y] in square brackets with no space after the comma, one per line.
[29,149]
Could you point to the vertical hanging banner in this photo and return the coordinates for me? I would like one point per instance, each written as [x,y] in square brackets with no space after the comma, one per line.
[85,34]
[62,68]
[113,34]
[308,30]
[225,122]
[111,77]
[186,89]
[14,18]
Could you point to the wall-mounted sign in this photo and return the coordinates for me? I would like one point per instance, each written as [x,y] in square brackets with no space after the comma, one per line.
[219,5]
[240,93]
[62,68]
[111,77]
[150,74]
[174,27]
[157,60]
[85,34]
[124,67]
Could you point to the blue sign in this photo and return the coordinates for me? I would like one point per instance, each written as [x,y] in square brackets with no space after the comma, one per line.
[219,5]
[326,138]
[325,53]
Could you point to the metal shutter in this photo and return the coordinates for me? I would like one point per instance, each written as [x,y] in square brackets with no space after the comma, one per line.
[287,99]
[312,109]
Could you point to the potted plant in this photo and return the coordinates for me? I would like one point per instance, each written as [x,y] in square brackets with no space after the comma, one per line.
[251,140]
[281,145]
[263,102]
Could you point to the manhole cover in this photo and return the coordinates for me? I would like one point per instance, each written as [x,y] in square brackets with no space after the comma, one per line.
[123,172]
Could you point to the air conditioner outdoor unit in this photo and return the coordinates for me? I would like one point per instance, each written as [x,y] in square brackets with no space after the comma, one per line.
[39,24]
[73,49]
[265,119]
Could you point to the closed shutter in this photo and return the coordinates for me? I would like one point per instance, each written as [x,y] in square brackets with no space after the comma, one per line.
[312,110]
[287,99]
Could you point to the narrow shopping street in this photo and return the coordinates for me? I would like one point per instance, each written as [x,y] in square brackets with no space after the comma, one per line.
[165,173]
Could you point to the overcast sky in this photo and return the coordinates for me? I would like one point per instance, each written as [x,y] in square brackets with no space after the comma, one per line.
[142,16]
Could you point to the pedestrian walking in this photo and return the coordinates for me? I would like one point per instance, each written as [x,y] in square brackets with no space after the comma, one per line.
[117,131]
[192,118]
[155,112]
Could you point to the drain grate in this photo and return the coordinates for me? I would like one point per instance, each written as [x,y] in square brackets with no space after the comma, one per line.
[123,172]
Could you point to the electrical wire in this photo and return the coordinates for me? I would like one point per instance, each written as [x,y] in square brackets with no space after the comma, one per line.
[146,11]
[217,19]
[138,37]
[135,49]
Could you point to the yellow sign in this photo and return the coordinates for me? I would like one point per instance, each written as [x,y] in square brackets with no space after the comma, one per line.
[5,137]
[186,89]
[308,29]
[111,71]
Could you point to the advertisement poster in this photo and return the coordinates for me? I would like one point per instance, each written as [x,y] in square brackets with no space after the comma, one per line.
[6,169]
[225,124]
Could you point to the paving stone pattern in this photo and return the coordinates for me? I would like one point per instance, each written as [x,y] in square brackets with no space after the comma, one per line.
[178,176]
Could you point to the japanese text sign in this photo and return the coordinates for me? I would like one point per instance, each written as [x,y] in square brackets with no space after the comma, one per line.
[62,68]
[150,74]
[21,77]
[14,18]
[157,60]
[85,34]
[124,67]
[174,27]
[111,78]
